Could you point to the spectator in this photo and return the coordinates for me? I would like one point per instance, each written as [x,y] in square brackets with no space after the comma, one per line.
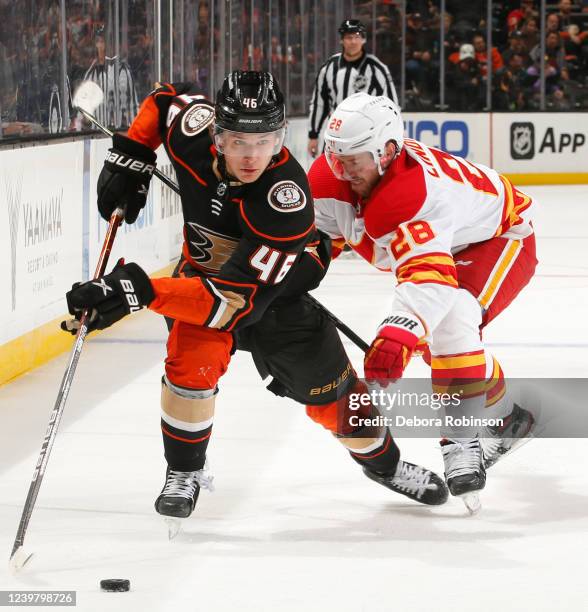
[565,13]
[464,82]
[511,89]
[420,68]
[482,55]
[467,17]
[351,71]
[530,32]
[575,50]
[552,23]
[516,44]
[515,18]
[555,68]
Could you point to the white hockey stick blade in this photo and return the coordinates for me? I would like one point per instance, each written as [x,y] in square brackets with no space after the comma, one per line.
[174,526]
[472,502]
[88,96]
[18,560]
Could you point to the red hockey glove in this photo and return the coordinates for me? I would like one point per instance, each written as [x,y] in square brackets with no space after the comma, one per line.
[393,347]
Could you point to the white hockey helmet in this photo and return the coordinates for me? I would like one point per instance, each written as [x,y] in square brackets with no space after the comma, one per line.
[363,123]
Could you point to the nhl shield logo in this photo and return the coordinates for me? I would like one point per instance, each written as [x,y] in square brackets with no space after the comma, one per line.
[522,140]
[359,83]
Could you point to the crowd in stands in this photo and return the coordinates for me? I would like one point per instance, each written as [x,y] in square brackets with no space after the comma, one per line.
[515,56]
[124,54]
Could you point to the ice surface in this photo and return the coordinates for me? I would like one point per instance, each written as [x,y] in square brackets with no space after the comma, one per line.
[293,524]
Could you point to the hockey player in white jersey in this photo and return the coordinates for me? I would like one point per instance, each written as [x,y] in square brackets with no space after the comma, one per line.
[459,239]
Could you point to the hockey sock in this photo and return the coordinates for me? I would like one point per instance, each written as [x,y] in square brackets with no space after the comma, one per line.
[381,457]
[185,442]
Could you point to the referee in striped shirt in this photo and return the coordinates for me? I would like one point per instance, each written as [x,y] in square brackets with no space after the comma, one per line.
[344,74]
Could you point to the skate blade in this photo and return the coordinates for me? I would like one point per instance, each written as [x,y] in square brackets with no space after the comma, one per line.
[471,502]
[18,560]
[174,526]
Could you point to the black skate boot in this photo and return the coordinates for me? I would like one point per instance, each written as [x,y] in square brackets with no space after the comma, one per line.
[415,482]
[464,470]
[180,492]
[513,433]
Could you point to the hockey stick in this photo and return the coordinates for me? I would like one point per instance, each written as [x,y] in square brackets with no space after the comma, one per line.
[344,329]
[19,557]
[89,96]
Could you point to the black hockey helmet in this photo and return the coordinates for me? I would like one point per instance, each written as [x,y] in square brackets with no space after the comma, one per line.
[352,26]
[250,101]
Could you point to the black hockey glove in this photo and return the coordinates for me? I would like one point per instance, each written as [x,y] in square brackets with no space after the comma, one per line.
[125,290]
[124,180]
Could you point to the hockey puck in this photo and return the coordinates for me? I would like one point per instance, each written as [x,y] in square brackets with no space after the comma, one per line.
[115,585]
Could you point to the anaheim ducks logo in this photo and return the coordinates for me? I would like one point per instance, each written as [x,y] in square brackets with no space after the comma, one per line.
[286,196]
[209,249]
[197,119]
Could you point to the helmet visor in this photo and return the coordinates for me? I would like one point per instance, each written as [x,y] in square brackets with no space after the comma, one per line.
[248,144]
[350,167]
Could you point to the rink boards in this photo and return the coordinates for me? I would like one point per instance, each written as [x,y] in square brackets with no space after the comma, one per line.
[51,235]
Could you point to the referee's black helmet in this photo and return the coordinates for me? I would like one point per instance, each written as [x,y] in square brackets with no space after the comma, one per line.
[352,26]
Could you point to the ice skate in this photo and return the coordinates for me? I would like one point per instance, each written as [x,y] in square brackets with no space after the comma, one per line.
[179,495]
[464,470]
[516,430]
[415,482]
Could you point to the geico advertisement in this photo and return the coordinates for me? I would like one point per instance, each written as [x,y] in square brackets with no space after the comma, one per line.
[40,233]
[541,142]
[465,135]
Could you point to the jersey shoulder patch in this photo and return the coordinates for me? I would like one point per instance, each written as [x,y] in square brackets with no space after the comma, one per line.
[286,197]
[196,118]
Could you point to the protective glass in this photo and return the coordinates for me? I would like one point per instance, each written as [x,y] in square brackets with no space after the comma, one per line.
[248,144]
[349,167]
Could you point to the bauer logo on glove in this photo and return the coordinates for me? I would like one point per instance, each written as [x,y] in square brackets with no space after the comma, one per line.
[124,180]
[109,298]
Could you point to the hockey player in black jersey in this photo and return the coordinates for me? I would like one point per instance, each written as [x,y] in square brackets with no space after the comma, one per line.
[250,254]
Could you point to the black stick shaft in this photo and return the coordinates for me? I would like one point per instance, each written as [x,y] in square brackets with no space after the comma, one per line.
[344,329]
